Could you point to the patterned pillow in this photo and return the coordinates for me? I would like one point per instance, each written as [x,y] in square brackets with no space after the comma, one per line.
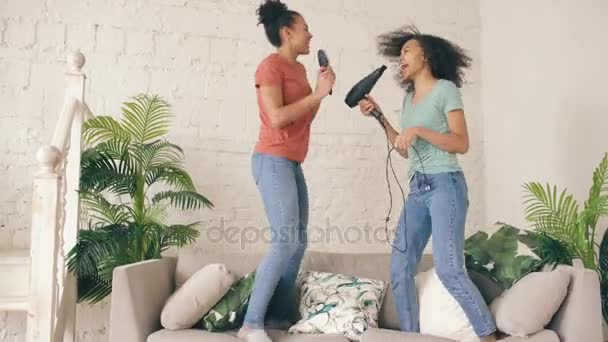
[229,312]
[338,304]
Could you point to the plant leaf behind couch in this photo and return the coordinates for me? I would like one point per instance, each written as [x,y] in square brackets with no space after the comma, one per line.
[124,219]
[497,256]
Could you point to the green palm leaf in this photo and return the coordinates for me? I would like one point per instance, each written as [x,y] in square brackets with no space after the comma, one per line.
[104,211]
[116,149]
[172,175]
[179,235]
[102,128]
[157,153]
[157,213]
[92,247]
[597,202]
[146,118]
[92,288]
[106,266]
[101,170]
[555,217]
[185,200]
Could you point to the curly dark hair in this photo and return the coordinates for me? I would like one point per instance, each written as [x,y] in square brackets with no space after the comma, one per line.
[274,15]
[446,59]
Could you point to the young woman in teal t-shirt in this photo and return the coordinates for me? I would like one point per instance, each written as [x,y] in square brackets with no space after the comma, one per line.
[433,131]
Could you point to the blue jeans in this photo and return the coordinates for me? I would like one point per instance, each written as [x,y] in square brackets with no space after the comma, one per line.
[436,204]
[283,188]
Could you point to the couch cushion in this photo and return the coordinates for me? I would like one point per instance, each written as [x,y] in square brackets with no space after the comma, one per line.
[440,313]
[339,304]
[542,336]
[191,335]
[194,335]
[196,297]
[385,335]
[375,266]
[230,311]
[513,311]
[283,336]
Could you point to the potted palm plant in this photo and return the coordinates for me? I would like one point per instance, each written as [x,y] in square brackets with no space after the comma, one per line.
[557,215]
[130,176]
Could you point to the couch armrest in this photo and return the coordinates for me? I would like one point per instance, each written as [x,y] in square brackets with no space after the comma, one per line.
[580,316]
[139,292]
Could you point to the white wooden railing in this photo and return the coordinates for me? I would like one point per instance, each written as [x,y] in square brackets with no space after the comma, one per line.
[55,214]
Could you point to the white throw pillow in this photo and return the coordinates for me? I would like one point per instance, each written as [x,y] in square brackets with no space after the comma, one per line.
[196,297]
[530,304]
[440,313]
[338,304]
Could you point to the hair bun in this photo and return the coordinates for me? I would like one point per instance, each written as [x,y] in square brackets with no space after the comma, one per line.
[270,11]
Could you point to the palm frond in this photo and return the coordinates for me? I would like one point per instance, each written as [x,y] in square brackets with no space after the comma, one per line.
[179,235]
[600,179]
[92,289]
[156,213]
[146,118]
[172,175]
[554,216]
[92,247]
[551,251]
[100,172]
[184,200]
[153,234]
[597,202]
[116,149]
[104,211]
[106,266]
[102,128]
[157,153]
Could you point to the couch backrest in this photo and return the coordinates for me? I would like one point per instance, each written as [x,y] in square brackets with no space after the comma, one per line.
[375,266]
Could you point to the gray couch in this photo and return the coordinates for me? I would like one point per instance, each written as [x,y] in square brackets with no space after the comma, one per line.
[140,291]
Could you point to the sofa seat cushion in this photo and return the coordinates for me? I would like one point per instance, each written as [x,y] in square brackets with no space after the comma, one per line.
[284,336]
[195,335]
[541,336]
[386,335]
[192,335]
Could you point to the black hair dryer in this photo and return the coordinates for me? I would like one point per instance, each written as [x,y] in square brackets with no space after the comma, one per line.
[364,87]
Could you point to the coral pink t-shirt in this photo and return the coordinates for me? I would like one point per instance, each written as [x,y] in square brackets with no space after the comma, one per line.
[292,140]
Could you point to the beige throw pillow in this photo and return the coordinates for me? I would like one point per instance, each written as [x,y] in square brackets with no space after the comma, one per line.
[530,304]
[196,297]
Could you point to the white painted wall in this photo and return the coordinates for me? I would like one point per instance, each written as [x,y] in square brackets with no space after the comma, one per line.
[201,55]
[544,98]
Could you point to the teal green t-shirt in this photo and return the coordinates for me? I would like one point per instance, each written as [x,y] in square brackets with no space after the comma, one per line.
[432,113]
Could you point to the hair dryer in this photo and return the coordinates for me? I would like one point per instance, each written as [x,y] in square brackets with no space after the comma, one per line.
[364,87]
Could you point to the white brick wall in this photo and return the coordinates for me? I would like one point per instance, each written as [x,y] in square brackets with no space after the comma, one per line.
[201,56]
